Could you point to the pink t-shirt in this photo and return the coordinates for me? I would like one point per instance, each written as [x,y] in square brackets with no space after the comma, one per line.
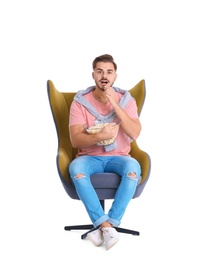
[79,115]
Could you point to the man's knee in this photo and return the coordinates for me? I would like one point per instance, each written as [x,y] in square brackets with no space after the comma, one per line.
[133,175]
[79,176]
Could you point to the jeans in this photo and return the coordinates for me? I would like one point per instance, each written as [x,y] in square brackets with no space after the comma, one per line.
[121,165]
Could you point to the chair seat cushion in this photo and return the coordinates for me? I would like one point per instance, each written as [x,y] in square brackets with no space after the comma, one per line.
[106,180]
[106,184]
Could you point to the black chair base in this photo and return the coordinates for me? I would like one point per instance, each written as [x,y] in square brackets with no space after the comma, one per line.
[81,227]
[92,228]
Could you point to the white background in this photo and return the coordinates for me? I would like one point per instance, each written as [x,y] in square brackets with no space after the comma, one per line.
[159,41]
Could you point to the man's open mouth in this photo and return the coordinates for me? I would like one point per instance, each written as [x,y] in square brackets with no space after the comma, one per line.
[104,81]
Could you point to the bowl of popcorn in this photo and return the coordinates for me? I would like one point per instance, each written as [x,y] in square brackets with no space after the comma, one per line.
[96,129]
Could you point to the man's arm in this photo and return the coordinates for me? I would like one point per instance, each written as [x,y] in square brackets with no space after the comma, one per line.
[131,126]
[80,138]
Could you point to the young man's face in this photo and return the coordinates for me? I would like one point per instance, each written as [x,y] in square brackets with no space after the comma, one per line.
[104,75]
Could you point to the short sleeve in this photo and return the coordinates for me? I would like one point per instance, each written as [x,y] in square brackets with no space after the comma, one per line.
[76,114]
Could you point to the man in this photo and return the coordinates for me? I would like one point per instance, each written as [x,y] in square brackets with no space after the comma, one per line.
[115,110]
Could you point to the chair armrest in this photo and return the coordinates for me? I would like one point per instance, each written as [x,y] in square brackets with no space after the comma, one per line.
[63,162]
[143,158]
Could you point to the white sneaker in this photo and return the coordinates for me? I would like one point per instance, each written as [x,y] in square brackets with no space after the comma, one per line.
[111,237]
[96,237]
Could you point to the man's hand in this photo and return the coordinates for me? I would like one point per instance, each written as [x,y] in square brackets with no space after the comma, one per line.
[110,94]
[109,131]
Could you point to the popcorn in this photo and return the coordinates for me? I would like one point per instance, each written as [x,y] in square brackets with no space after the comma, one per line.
[97,128]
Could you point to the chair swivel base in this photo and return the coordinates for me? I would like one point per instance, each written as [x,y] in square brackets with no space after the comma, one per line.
[92,228]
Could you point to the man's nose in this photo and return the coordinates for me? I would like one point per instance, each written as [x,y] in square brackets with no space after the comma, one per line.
[104,75]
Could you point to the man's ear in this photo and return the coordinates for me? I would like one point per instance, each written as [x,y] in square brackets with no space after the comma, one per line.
[93,75]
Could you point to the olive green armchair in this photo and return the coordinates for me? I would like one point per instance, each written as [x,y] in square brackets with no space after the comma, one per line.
[105,184]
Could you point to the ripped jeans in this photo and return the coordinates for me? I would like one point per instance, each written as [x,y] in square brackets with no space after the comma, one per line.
[127,167]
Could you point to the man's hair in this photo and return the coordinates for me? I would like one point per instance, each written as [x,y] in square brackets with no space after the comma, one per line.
[104,58]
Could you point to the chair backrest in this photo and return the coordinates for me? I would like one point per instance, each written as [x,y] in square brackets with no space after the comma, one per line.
[60,103]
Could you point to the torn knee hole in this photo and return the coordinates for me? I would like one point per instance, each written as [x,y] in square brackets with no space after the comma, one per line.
[79,175]
[132,175]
